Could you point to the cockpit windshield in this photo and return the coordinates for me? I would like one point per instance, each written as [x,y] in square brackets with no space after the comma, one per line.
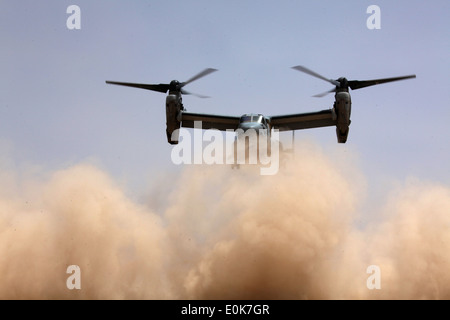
[251,118]
[256,118]
[246,119]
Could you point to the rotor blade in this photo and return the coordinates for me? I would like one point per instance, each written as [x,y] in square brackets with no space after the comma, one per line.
[193,94]
[154,87]
[355,84]
[320,95]
[314,74]
[198,76]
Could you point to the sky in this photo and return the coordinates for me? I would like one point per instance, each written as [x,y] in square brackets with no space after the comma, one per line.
[56,110]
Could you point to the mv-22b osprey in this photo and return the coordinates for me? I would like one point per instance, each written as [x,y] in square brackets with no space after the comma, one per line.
[339,115]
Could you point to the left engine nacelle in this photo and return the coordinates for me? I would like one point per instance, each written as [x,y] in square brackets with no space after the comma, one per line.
[173,107]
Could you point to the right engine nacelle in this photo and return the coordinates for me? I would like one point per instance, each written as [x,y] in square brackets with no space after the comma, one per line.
[342,109]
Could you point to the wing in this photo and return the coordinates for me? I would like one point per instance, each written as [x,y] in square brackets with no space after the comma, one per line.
[303,120]
[209,121]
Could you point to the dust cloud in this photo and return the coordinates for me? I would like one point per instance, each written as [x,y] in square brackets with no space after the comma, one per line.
[223,234]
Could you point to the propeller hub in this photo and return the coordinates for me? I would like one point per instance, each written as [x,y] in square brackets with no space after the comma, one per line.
[174,85]
[343,83]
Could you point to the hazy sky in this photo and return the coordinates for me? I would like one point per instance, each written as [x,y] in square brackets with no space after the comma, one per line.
[56,110]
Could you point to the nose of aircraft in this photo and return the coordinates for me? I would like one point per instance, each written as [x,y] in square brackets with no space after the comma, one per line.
[251,125]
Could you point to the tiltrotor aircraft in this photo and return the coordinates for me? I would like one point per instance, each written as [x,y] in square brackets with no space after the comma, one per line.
[339,115]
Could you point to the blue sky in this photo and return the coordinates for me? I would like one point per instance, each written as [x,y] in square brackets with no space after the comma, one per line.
[56,110]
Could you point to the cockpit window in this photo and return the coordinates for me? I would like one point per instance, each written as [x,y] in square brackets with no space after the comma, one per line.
[256,118]
[246,119]
[251,118]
